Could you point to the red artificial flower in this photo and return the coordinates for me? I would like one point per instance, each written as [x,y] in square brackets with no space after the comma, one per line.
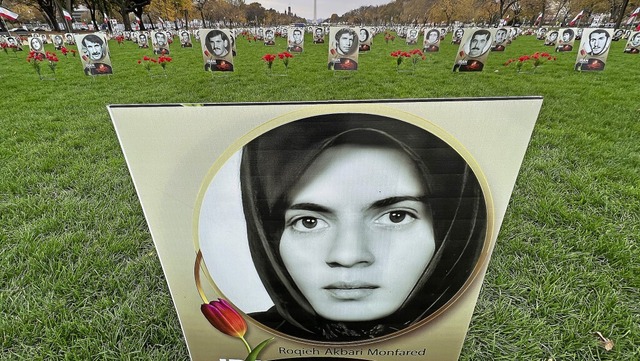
[224,318]
[269,58]
[207,53]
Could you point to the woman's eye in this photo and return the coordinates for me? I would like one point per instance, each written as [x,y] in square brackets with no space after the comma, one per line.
[308,224]
[395,218]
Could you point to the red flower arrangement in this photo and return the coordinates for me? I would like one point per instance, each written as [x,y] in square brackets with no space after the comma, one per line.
[388,36]
[7,46]
[285,56]
[120,39]
[36,59]
[536,60]
[415,55]
[400,55]
[163,61]
[64,51]
[269,58]
[53,60]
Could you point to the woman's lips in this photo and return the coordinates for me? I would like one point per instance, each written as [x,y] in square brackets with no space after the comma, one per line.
[350,290]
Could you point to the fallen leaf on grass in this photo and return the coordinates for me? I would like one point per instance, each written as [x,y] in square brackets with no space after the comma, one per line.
[605,342]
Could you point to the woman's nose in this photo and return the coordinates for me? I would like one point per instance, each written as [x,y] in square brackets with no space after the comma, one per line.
[350,248]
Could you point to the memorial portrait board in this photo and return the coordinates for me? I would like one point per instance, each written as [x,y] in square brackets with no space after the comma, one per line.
[412,36]
[295,217]
[566,39]
[343,48]
[594,49]
[295,39]
[457,35]
[94,54]
[473,50]
[541,33]
[617,35]
[185,39]
[431,41]
[318,35]
[15,41]
[269,36]
[500,40]
[365,39]
[57,40]
[443,33]
[551,38]
[36,45]
[217,49]
[633,44]
[142,39]
[160,42]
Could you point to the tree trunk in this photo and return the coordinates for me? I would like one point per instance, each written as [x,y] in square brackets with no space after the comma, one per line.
[622,11]
[125,19]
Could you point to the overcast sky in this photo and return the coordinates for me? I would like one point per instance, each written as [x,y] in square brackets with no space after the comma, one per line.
[325,8]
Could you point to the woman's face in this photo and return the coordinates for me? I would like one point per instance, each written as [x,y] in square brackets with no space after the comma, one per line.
[358,233]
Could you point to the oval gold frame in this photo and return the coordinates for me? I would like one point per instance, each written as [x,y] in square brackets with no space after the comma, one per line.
[372,109]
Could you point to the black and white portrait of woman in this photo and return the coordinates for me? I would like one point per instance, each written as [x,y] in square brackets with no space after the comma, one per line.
[358,226]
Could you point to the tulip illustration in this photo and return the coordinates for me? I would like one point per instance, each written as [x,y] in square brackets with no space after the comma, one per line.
[224,317]
[227,320]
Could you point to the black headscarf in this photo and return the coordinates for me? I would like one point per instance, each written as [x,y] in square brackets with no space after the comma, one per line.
[273,163]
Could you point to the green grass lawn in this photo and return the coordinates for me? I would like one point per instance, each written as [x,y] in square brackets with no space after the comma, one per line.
[80,279]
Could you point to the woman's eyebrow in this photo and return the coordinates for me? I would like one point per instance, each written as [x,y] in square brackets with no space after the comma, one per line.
[385,202]
[314,207]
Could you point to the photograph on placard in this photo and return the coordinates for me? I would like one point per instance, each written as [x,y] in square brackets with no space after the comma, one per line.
[473,50]
[94,54]
[500,40]
[431,42]
[566,39]
[58,41]
[143,40]
[295,39]
[217,49]
[36,45]
[551,38]
[412,36]
[594,49]
[617,35]
[456,38]
[301,186]
[579,33]
[365,38]
[69,39]
[318,35]
[269,36]
[15,41]
[541,33]
[633,44]
[160,42]
[343,48]
[185,39]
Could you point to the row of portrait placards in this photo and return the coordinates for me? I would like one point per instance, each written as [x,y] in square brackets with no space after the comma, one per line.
[344,44]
